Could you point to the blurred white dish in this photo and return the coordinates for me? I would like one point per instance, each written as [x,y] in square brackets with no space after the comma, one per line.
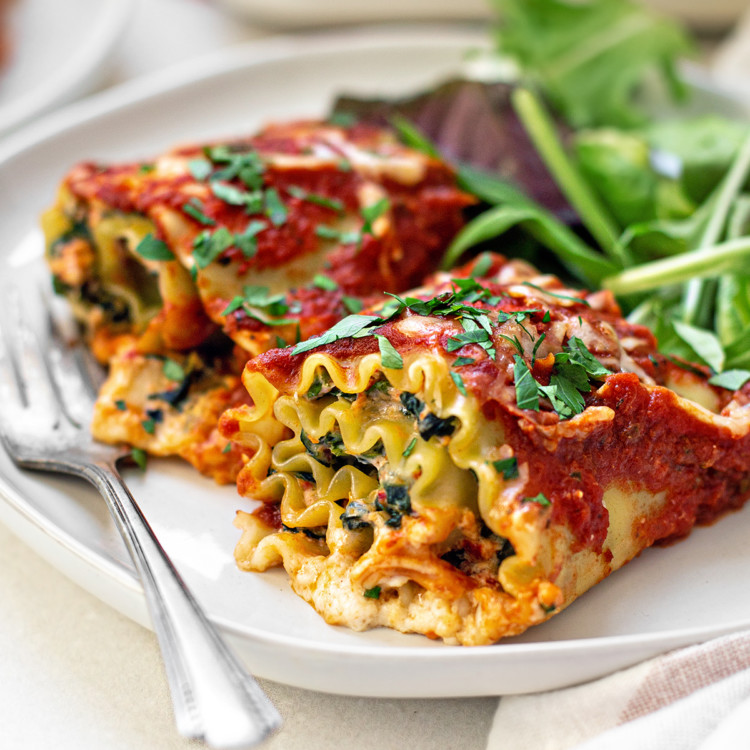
[288,14]
[58,51]
[664,599]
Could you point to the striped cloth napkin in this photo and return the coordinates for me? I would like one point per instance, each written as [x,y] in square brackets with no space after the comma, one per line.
[695,698]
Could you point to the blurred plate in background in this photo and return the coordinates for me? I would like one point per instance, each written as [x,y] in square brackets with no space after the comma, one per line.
[711,16]
[58,51]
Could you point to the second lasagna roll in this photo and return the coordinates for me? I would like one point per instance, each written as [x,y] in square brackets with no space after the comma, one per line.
[467,460]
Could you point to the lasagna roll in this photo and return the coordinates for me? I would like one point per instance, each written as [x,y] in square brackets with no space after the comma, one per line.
[465,461]
[244,244]
[232,236]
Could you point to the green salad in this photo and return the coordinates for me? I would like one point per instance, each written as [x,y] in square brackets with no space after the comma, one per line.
[587,178]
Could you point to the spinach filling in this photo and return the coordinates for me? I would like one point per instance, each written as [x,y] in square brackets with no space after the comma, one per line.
[330,451]
[429,425]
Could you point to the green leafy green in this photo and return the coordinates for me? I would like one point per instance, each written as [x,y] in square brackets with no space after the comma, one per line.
[152,249]
[590,57]
[389,356]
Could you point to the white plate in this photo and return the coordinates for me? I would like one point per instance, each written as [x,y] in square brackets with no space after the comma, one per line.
[59,51]
[666,598]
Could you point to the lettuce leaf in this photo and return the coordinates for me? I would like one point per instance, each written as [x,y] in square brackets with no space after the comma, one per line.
[589,57]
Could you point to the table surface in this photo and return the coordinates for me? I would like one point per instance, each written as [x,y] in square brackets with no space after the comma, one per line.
[76,675]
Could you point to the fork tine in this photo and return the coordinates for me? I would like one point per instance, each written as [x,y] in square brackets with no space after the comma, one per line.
[27,361]
[65,360]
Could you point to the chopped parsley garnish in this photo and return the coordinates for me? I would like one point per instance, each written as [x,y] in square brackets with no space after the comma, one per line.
[120,405]
[149,425]
[540,499]
[527,389]
[409,448]
[508,467]
[200,168]
[208,246]
[571,377]
[173,370]
[483,264]
[458,380]
[274,208]
[352,304]
[345,238]
[246,241]
[227,448]
[348,326]
[325,282]
[152,249]
[139,458]
[373,593]
[234,196]
[257,303]
[372,213]
[476,322]
[194,208]
[388,354]
[247,166]
[463,361]
[319,200]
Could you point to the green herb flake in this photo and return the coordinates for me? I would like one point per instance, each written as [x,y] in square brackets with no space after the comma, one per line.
[227,448]
[319,200]
[149,425]
[247,241]
[194,208]
[463,361]
[540,499]
[732,380]
[527,389]
[173,370]
[208,246]
[349,326]
[409,448]
[345,238]
[199,168]
[372,213]
[139,458]
[275,209]
[508,467]
[152,249]
[482,265]
[352,304]
[459,382]
[121,405]
[388,355]
[373,593]
[325,282]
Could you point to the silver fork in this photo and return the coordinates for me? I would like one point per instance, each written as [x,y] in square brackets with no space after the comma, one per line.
[45,407]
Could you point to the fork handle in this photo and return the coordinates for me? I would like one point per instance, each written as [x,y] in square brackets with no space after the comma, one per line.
[214,698]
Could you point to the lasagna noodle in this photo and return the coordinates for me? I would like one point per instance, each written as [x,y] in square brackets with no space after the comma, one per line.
[393,498]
